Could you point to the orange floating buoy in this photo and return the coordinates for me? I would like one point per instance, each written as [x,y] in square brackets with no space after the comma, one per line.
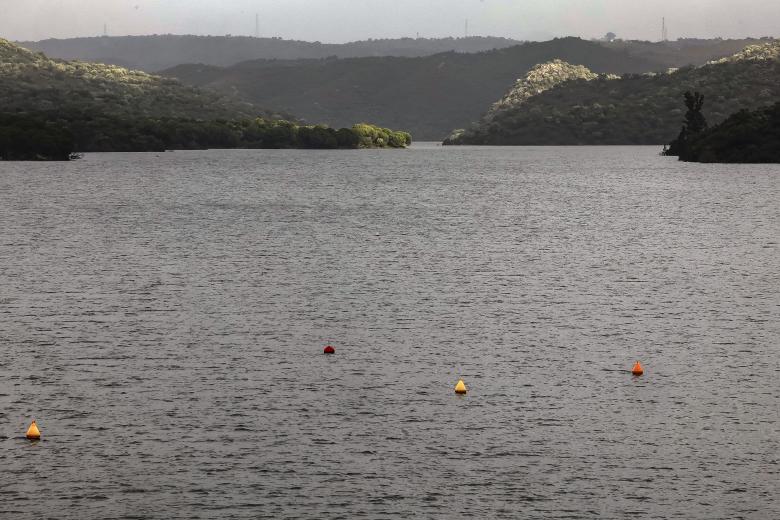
[637,370]
[33,433]
[329,350]
[460,388]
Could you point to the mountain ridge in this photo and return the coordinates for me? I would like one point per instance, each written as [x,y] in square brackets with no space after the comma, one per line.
[153,53]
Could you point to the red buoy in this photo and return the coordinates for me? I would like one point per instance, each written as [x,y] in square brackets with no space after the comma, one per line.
[329,350]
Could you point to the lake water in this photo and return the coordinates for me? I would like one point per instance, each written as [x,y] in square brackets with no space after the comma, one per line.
[163,317]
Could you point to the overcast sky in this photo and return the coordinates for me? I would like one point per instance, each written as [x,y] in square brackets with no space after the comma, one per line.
[347,20]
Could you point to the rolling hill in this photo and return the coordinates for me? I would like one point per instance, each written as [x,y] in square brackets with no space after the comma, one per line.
[30,81]
[427,96]
[431,95]
[156,52]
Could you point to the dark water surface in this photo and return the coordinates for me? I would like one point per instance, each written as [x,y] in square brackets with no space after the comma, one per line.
[162,316]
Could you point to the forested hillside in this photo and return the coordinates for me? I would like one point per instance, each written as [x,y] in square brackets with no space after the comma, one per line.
[586,108]
[30,81]
[51,108]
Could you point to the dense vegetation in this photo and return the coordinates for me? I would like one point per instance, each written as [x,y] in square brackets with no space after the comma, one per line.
[49,109]
[587,108]
[34,138]
[744,137]
[693,125]
[157,52]
[55,136]
[32,82]
[428,96]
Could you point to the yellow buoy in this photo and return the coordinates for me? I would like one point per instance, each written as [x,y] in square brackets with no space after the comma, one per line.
[460,388]
[33,433]
[637,370]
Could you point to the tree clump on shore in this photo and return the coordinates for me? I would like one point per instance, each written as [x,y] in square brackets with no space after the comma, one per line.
[24,138]
[693,125]
[744,137]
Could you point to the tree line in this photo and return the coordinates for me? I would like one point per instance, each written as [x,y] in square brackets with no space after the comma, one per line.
[52,136]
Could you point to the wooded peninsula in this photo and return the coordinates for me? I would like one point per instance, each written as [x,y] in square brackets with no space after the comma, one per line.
[53,109]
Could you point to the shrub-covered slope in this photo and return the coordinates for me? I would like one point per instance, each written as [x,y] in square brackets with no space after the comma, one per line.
[32,82]
[632,109]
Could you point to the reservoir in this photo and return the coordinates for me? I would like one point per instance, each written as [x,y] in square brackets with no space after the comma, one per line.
[163,318]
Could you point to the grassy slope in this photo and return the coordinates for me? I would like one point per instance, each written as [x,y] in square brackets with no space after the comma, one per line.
[427,96]
[636,109]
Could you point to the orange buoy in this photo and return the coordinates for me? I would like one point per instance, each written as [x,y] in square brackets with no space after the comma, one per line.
[329,350]
[33,433]
[460,388]
[637,370]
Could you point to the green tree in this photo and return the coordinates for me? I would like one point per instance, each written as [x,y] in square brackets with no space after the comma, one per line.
[693,125]
[347,138]
[694,119]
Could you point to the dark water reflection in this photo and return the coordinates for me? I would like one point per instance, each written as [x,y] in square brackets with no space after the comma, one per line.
[163,317]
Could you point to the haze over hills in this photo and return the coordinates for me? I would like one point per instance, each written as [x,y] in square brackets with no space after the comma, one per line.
[429,96]
[157,52]
[561,104]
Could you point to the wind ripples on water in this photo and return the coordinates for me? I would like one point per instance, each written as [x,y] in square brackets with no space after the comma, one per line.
[162,316]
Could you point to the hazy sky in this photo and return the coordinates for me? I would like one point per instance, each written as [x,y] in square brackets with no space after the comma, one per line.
[346,20]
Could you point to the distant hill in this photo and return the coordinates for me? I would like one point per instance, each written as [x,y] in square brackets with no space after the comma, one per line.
[427,96]
[31,82]
[158,52]
[153,53]
[685,51]
[560,104]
